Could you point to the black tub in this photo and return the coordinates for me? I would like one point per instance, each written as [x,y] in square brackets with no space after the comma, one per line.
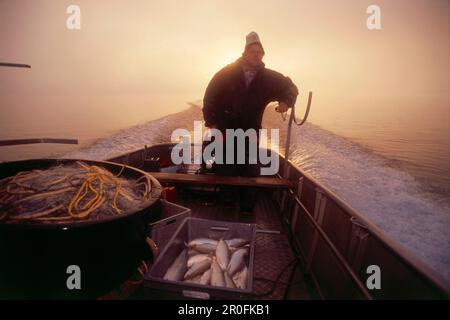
[34,258]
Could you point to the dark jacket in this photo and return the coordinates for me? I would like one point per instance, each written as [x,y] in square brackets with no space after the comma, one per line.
[230,105]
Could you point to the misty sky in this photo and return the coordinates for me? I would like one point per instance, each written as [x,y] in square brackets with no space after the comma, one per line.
[136,60]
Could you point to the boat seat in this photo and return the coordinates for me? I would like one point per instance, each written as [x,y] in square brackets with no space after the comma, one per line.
[263,182]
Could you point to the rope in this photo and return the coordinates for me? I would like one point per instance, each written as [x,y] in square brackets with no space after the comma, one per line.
[86,196]
[298,123]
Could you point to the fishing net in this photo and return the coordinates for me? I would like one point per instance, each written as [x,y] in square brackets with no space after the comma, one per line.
[70,192]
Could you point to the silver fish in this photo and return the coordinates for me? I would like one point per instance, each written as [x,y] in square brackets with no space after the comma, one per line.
[204,248]
[237,242]
[228,281]
[178,268]
[198,269]
[222,254]
[193,280]
[216,275]
[197,258]
[240,278]
[206,277]
[237,261]
[198,241]
[192,253]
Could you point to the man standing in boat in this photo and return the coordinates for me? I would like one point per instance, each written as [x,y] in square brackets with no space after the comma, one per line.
[237,96]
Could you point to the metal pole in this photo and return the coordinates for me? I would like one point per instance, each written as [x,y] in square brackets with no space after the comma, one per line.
[14,65]
[37,140]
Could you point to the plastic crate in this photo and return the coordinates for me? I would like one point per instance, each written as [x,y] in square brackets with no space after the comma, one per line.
[190,229]
[172,216]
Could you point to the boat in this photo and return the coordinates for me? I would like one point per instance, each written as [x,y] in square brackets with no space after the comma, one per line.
[308,244]
[338,252]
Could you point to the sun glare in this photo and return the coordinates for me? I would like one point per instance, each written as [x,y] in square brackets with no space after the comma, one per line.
[229,57]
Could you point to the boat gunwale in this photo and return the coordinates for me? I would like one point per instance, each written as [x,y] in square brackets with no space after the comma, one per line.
[394,246]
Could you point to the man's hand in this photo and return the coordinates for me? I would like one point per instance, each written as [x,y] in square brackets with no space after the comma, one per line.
[282,107]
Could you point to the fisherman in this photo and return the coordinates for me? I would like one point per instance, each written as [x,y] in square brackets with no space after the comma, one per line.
[237,96]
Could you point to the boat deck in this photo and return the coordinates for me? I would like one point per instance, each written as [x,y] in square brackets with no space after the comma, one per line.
[274,257]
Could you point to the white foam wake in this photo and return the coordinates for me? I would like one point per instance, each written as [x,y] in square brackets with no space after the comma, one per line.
[389,197]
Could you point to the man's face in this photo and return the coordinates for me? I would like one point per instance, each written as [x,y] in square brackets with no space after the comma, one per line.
[254,54]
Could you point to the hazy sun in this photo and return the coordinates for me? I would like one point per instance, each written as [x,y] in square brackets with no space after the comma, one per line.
[230,57]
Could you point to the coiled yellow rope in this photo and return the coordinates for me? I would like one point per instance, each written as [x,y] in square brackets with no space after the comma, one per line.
[89,197]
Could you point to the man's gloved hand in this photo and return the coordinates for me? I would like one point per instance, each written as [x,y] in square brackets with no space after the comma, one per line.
[282,107]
